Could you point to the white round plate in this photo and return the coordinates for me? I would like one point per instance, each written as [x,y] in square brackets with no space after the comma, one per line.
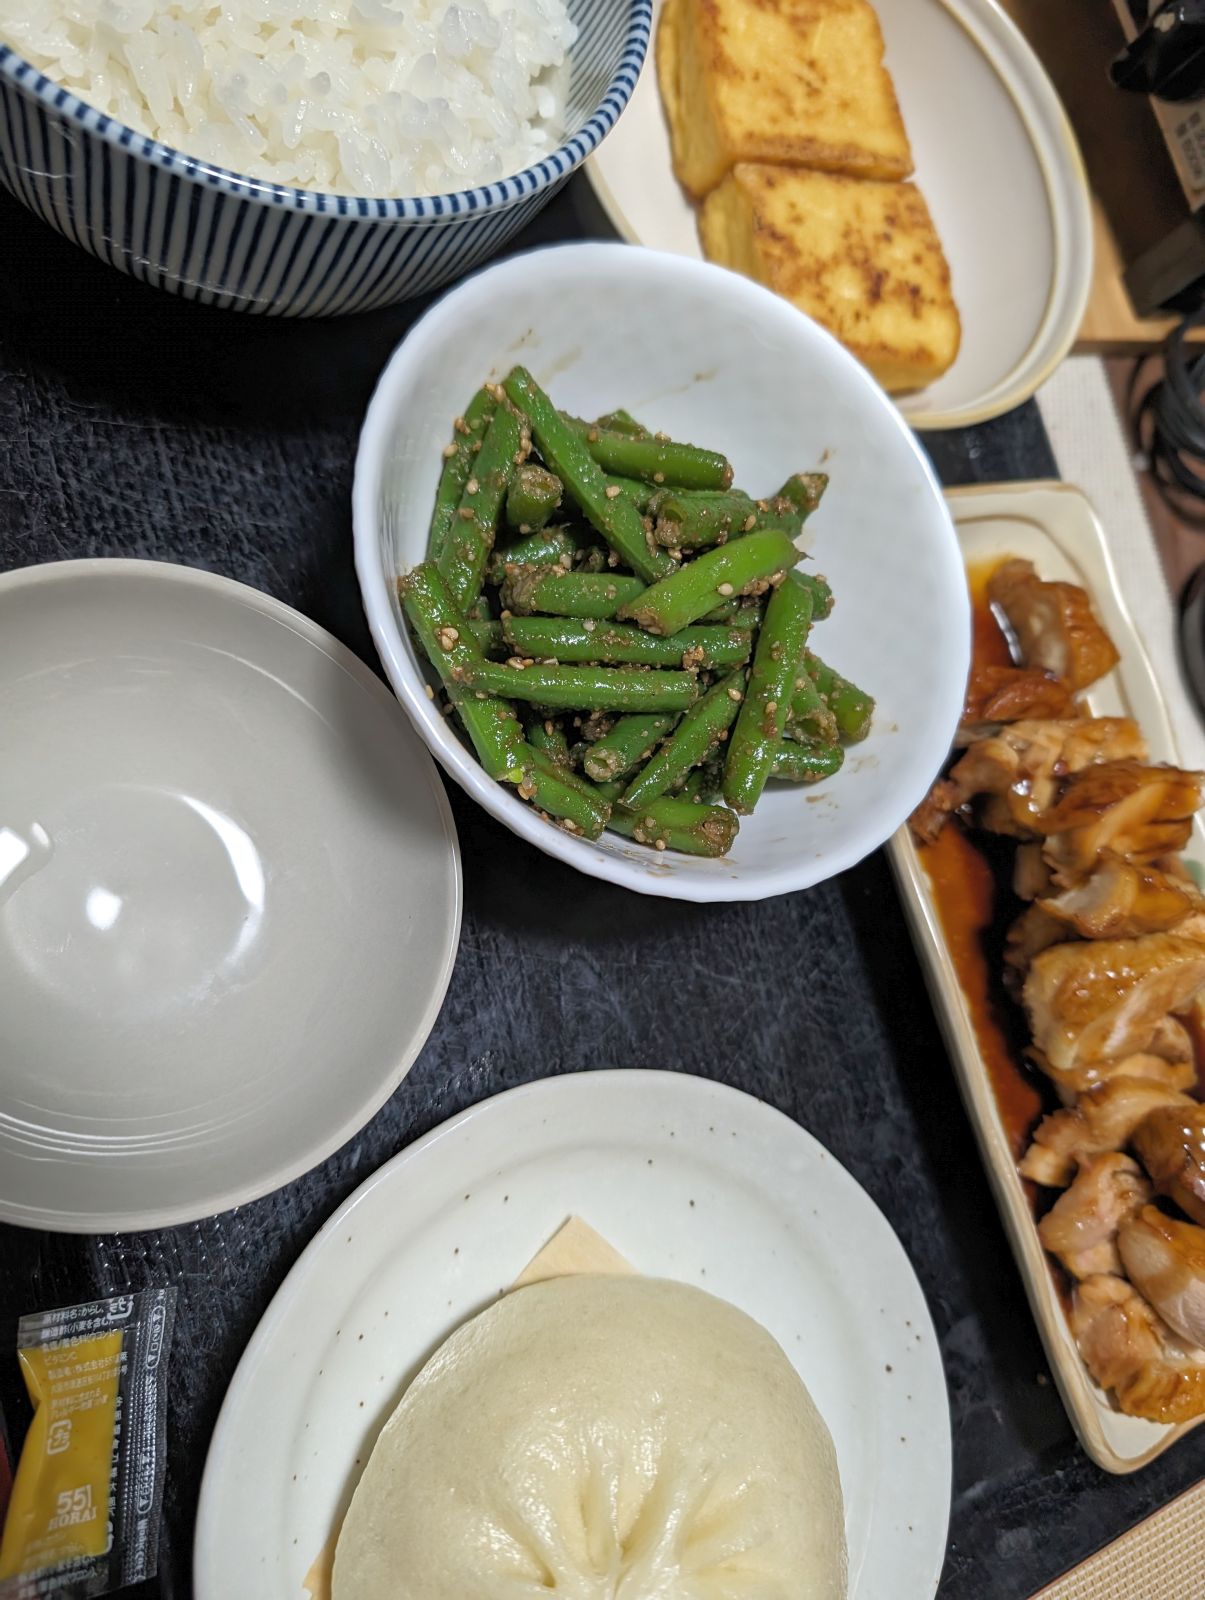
[997,161]
[229,895]
[688,1179]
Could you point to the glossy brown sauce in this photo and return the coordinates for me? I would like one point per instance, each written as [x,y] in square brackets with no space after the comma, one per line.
[971,878]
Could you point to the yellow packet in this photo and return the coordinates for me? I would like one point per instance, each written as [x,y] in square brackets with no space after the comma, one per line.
[84,1514]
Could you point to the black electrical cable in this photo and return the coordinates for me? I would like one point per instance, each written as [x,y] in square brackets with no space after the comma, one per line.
[1170,417]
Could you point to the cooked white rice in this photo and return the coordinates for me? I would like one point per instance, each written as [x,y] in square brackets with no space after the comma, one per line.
[366,97]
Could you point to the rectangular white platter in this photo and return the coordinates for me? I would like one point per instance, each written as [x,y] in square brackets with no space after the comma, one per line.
[1054,526]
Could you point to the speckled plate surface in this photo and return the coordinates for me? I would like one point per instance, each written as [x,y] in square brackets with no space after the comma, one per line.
[688,1179]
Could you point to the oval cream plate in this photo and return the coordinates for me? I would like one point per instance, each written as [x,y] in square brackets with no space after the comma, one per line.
[229,895]
[1052,525]
[687,1179]
[998,164]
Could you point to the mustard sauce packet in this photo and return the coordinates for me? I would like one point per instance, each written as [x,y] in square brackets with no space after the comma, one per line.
[86,1499]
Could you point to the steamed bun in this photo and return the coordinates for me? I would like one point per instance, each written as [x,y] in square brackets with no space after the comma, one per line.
[600,1438]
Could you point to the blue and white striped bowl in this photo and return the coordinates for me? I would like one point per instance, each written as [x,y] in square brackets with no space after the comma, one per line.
[228,240]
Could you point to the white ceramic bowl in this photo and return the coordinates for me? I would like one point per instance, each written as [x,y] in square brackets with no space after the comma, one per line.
[713,358]
[229,895]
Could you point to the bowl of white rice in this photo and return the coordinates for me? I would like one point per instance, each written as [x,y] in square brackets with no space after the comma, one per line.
[305,157]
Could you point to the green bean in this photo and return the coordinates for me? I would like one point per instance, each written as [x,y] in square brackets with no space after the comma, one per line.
[559,792]
[566,639]
[852,707]
[553,590]
[631,741]
[458,463]
[488,636]
[470,539]
[817,587]
[533,496]
[806,762]
[545,734]
[639,493]
[587,688]
[654,458]
[622,422]
[670,823]
[548,547]
[737,614]
[452,650]
[743,564]
[703,727]
[763,716]
[809,717]
[615,517]
[798,498]
[688,521]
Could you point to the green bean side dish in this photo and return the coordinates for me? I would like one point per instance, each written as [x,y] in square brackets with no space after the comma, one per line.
[624,636]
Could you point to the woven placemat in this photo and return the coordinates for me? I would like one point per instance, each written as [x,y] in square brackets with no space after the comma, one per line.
[1162,1558]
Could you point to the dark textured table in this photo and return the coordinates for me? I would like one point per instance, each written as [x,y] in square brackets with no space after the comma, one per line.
[134,424]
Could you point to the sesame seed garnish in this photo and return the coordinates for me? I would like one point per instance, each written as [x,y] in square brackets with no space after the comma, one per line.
[771,706]
[466,514]
[612,491]
[472,486]
[449,451]
[429,691]
[460,425]
[658,844]
[661,438]
[724,588]
[658,477]
[565,561]
[735,694]
[592,435]
[516,662]
[589,625]
[447,637]
[750,522]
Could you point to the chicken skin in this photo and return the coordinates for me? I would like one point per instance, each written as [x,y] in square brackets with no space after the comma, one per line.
[1103,1119]
[1165,1261]
[1120,807]
[1020,768]
[1081,1227]
[1127,1348]
[1053,625]
[1011,694]
[1170,1143]
[1121,900]
[1102,999]
[1168,1060]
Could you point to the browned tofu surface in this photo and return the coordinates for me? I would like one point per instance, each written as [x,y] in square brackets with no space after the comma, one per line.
[861,257]
[797,82]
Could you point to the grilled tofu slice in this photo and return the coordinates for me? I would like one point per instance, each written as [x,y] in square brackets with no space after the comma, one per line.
[863,258]
[784,81]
